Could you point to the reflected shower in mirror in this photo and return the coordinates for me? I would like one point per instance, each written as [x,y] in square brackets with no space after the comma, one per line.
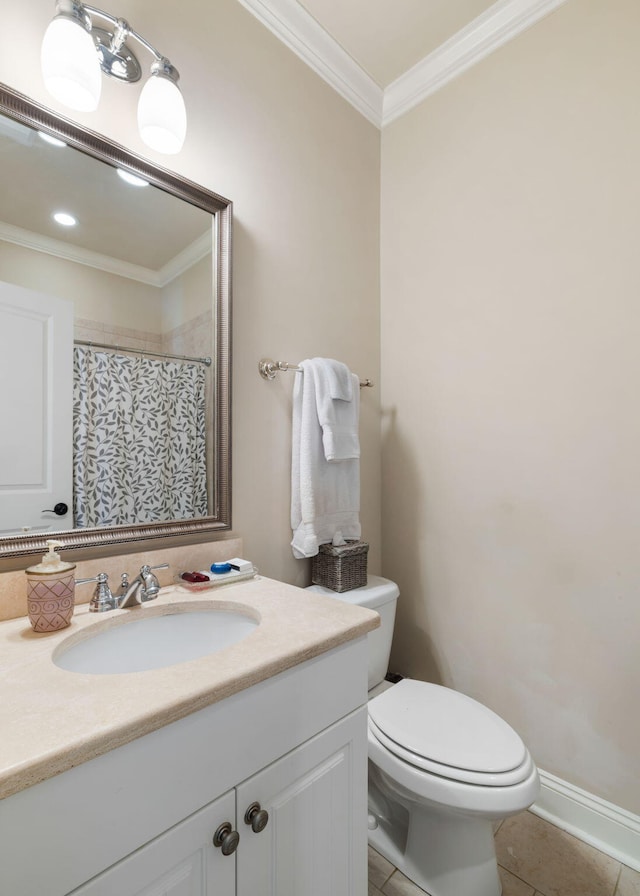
[114,301]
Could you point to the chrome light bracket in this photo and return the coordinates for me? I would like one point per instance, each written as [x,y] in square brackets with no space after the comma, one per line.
[162,68]
[73,9]
[116,59]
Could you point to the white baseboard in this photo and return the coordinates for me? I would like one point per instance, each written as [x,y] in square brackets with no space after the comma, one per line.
[609,828]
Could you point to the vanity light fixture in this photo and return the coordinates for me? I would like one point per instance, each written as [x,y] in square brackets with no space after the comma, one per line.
[75,52]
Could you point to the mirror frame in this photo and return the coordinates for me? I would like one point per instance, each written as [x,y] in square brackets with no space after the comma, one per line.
[22,109]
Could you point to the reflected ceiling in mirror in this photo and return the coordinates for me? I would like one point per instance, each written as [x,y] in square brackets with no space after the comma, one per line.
[166,241]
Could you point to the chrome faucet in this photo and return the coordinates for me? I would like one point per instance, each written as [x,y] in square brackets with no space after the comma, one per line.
[143,588]
[102,599]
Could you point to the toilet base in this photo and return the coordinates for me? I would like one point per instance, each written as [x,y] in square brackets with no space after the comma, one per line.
[444,854]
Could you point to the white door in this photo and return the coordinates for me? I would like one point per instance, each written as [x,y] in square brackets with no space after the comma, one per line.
[36,382]
[181,862]
[315,840]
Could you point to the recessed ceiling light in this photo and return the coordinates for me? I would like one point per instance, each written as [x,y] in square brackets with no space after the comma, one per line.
[52,140]
[132,179]
[65,219]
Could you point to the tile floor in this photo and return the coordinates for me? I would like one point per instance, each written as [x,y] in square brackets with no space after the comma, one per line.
[536,859]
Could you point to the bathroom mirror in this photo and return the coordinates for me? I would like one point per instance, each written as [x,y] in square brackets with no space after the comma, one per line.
[141,280]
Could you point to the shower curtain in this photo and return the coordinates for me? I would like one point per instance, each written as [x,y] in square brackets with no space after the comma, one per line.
[139,439]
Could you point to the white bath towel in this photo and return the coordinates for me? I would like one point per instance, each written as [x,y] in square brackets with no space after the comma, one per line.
[325,495]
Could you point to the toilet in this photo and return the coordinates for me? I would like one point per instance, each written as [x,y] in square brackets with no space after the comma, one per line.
[443,769]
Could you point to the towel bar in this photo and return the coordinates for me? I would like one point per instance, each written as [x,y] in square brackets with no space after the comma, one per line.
[269,368]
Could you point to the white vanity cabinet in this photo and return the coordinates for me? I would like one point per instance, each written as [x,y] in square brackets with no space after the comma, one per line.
[140,820]
[315,840]
[308,845]
[180,862]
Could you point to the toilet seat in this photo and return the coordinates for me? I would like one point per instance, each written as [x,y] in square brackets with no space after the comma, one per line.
[464,776]
[446,733]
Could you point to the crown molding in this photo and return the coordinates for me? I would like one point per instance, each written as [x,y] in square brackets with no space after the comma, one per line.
[50,246]
[499,24]
[184,260]
[296,28]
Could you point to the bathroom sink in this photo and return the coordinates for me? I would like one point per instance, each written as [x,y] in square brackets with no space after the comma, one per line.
[154,642]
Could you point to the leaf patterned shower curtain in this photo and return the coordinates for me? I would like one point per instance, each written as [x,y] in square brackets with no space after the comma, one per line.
[139,439]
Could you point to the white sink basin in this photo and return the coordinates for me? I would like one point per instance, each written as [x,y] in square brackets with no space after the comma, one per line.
[153,642]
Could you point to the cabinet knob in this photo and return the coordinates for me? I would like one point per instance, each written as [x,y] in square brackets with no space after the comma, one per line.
[257,817]
[226,839]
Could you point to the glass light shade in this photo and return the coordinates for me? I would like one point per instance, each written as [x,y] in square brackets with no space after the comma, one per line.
[162,116]
[70,64]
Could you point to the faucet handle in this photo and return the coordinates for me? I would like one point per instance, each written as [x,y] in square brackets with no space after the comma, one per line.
[151,585]
[102,598]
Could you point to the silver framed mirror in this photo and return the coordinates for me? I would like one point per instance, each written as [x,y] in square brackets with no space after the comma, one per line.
[20,113]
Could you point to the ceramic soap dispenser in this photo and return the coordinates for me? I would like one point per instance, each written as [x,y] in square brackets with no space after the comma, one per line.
[51,591]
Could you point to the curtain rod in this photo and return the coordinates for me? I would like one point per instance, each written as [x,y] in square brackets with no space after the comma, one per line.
[141,351]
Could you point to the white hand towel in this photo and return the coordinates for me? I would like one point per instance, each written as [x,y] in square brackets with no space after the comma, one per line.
[337,376]
[325,497]
[338,406]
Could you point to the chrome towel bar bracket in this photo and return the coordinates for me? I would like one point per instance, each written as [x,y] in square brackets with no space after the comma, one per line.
[268,369]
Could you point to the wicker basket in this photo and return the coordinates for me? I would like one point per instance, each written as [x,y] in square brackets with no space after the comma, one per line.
[341,567]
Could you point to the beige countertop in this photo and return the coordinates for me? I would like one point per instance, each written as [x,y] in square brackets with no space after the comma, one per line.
[52,720]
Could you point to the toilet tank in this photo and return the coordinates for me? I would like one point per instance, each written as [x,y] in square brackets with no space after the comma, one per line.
[380,595]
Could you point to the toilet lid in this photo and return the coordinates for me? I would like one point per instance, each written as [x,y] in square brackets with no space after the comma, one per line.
[446,727]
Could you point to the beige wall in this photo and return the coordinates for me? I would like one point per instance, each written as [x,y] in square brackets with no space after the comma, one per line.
[302,168]
[96,295]
[511,362]
[109,299]
[188,295]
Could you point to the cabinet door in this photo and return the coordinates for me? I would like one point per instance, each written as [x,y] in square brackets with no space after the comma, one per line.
[315,841]
[181,862]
